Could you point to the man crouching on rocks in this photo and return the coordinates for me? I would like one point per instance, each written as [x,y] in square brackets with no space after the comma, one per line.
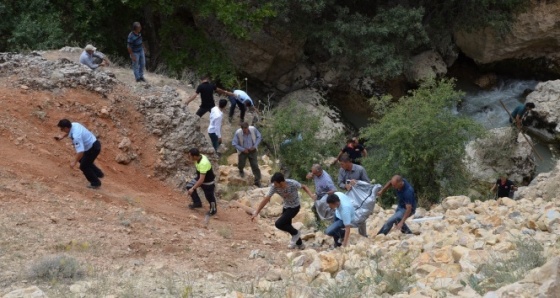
[406,205]
[288,190]
[344,215]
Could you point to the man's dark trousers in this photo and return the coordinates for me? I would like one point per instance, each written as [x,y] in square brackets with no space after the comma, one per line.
[90,170]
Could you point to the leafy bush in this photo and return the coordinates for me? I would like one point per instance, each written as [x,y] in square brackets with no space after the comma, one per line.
[56,267]
[499,271]
[422,140]
[292,133]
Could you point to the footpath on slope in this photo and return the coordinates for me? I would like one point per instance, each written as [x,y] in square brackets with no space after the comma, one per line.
[135,224]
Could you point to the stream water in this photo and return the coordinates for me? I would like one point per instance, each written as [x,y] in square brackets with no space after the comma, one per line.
[484,107]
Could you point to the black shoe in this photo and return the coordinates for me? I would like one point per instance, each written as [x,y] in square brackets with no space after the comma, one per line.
[101,176]
[212,212]
[258,184]
[142,79]
[194,206]
[242,174]
[93,186]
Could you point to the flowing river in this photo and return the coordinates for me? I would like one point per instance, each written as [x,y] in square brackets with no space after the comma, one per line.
[484,107]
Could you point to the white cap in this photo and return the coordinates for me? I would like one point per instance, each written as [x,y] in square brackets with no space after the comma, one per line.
[90,48]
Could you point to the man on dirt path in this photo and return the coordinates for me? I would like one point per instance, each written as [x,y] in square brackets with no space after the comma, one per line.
[288,190]
[87,149]
[215,126]
[246,140]
[406,205]
[206,90]
[204,179]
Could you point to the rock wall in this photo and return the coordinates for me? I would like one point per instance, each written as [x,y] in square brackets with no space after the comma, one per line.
[534,34]
[546,98]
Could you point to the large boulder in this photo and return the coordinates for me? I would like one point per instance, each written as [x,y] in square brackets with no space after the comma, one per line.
[313,102]
[534,34]
[426,65]
[486,159]
[546,115]
[545,186]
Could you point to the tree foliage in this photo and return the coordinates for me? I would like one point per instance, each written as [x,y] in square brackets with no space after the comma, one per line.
[293,136]
[421,139]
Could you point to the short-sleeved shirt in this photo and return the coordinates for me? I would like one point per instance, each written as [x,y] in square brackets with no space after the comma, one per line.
[323,184]
[354,153]
[81,137]
[206,91]
[289,194]
[134,42]
[406,196]
[345,210]
[504,188]
[203,166]
[518,111]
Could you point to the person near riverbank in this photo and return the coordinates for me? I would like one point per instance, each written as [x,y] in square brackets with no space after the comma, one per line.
[349,173]
[504,186]
[206,90]
[93,59]
[520,113]
[242,100]
[204,179]
[87,149]
[215,126]
[288,191]
[406,205]
[246,140]
[323,185]
[354,150]
[344,215]
[135,49]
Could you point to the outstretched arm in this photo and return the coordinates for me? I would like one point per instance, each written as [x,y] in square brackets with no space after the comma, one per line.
[384,189]
[261,206]
[191,99]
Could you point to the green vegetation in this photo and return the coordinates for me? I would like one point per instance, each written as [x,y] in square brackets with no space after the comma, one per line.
[500,270]
[376,37]
[421,139]
[293,135]
[58,267]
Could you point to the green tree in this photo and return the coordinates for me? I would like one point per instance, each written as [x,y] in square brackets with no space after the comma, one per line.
[421,139]
[293,133]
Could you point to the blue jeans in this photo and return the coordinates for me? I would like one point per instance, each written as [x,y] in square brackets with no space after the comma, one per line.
[214,138]
[139,65]
[393,220]
[336,230]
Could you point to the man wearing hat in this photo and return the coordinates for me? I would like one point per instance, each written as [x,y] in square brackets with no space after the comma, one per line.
[93,59]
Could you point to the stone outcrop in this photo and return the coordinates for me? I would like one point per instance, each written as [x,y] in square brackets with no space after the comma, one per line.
[30,292]
[313,102]
[178,131]
[546,115]
[545,186]
[486,161]
[426,65]
[36,72]
[534,34]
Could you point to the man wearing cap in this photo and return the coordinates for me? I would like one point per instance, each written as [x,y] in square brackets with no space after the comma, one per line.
[93,59]
[87,149]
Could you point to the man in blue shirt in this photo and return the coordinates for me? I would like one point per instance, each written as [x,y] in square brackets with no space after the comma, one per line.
[519,114]
[87,149]
[323,186]
[136,51]
[406,206]
[344,215]
[246,140]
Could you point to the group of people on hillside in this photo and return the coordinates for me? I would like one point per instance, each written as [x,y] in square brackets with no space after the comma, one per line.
[246,140]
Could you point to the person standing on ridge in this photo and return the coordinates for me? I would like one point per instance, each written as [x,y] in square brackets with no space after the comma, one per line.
[136,51]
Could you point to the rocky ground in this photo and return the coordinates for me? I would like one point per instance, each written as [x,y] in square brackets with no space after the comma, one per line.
[135,237]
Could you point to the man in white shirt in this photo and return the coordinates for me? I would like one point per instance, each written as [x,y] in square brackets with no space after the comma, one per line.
[93,59]
[215,126]
[241,99]
[87,149]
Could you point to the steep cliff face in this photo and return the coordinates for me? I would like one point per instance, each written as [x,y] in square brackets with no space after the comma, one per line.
[535,34]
